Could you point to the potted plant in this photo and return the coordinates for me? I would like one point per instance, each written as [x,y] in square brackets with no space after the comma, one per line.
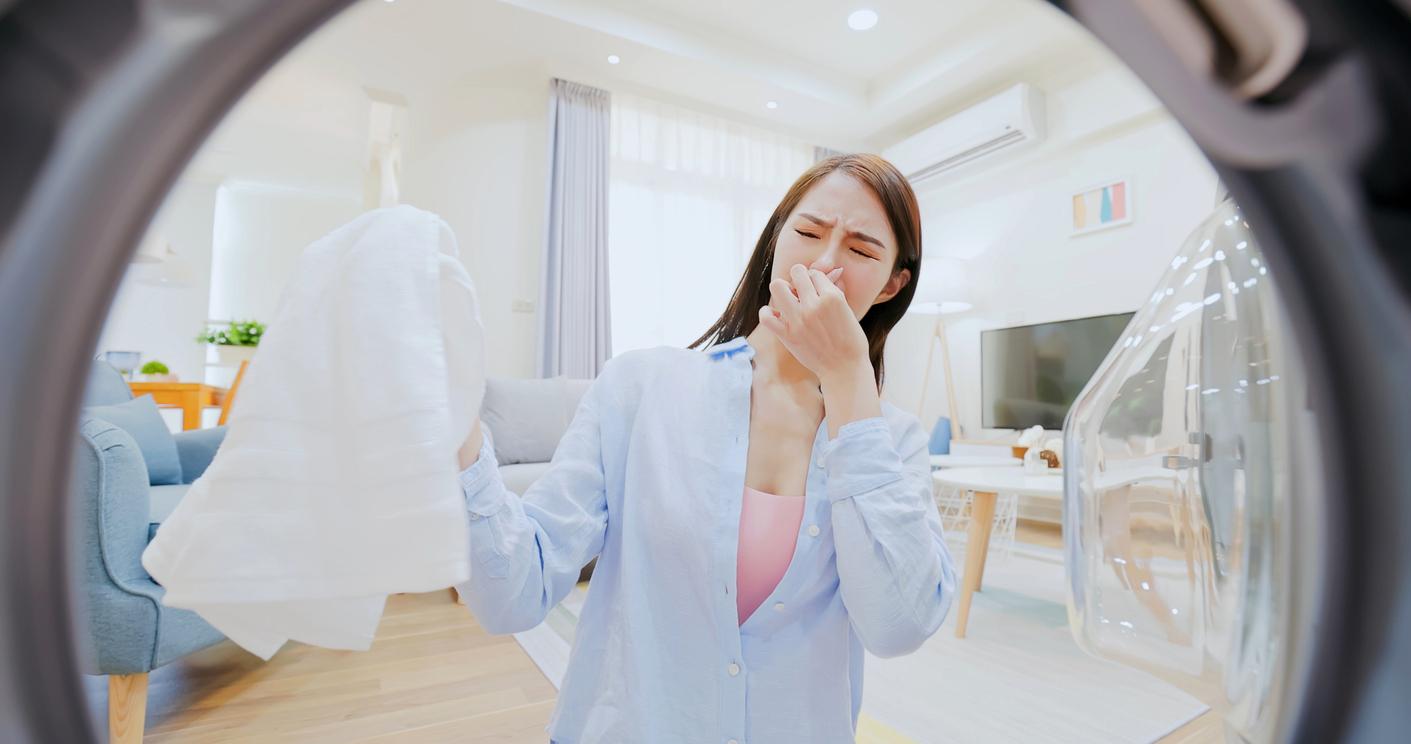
[235,343]
[155,371]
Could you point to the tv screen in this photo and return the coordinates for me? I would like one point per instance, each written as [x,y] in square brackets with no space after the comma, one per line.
[1031,374]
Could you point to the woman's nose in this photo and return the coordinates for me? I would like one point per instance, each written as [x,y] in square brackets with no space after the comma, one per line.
[830,269]
[827,261]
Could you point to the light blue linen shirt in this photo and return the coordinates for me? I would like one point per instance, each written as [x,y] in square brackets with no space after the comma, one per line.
[649,478]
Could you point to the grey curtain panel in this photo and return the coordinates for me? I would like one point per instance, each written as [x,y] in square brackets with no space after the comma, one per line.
[574,324]
[821,153]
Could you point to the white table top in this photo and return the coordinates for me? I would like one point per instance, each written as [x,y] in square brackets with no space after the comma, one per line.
[1149,474]
[1000,479]
[974,461]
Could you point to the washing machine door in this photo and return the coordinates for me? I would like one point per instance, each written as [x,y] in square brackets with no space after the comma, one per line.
[1237,515]
[1282,515]
[1190,458]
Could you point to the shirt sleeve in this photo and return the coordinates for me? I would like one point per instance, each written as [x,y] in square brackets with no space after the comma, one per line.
[896,576]
[527,551]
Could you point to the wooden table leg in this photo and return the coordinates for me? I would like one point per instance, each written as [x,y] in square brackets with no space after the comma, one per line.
[977,544]
[190,410]
[985,556]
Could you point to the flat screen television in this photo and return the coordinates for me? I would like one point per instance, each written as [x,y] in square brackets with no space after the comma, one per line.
[1031,374]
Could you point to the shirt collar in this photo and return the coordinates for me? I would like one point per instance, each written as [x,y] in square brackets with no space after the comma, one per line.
[728,349]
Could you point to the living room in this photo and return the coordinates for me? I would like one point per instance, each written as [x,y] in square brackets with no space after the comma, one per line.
[1054,191]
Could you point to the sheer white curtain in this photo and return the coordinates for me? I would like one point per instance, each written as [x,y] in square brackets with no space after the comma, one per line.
[689,195]
[574,328]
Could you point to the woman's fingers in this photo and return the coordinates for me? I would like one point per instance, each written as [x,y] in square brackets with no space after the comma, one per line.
[823,283]
[782,298]
[803,283]
[788,296]
[770,320]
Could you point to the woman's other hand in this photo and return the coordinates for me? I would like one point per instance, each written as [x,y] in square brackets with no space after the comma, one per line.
[470,450]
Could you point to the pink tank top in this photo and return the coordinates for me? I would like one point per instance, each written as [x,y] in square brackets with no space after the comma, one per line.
[769,528]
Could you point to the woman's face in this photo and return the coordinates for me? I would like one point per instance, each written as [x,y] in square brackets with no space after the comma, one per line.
[840,222]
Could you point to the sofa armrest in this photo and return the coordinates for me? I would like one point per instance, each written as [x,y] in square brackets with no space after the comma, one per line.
[196,449]
[129,630]
[109,486]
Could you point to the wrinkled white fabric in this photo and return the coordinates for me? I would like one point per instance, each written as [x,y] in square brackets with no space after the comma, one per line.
[336,483]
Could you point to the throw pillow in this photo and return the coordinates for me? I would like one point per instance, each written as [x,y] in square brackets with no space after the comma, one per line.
[140,418]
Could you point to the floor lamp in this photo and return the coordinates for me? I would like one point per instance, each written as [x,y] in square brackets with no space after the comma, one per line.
[938,333]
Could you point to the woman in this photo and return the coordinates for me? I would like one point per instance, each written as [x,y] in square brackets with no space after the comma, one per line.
[759,515]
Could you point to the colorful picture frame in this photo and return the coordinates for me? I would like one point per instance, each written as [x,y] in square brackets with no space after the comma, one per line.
[1102,206]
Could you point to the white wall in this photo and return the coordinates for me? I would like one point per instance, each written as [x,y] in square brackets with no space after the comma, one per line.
[293,157]
[288,166]
[284,168]
[259,231]
[1010,221]
[479,159]
[162,322]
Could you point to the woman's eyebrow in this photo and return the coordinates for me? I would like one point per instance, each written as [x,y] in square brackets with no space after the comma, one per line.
[853,233]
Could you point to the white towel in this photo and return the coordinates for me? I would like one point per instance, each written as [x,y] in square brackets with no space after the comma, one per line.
[336,482]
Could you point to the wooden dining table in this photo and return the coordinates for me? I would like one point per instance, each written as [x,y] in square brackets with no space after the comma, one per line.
[190,397]
[986,484]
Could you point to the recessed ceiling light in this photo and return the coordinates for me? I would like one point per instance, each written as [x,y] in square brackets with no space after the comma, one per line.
[861,20]
[771,104]
[613,59]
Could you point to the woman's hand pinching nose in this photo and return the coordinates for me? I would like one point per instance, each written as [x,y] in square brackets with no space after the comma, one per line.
[810,315]
[833,277]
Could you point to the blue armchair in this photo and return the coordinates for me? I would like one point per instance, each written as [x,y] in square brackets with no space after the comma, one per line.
[130,631]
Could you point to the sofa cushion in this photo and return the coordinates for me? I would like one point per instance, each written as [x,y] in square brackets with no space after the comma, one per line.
[527,418]
[106,386]
[163,501]
[142,421]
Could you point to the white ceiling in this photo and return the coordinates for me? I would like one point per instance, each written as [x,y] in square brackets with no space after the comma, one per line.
[835,86]
[815,32]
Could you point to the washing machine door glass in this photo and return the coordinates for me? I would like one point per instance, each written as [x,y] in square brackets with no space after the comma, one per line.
[1183,457]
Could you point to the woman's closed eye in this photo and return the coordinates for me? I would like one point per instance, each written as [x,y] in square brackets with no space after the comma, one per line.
[859,252]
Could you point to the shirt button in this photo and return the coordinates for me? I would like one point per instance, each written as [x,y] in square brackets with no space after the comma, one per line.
[779,606]
[733,669]
[813,530]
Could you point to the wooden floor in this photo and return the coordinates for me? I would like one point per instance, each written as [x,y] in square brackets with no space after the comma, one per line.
[432,675]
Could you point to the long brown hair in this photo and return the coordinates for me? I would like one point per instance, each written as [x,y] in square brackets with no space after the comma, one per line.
[898,200]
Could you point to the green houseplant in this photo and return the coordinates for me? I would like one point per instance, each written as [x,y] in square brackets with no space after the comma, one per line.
[155,371]
[234,343]
[238,333]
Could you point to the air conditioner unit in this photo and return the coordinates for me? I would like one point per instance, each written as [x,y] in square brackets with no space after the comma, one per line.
[1004,122]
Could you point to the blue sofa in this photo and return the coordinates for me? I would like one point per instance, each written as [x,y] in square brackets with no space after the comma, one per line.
[130,631]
